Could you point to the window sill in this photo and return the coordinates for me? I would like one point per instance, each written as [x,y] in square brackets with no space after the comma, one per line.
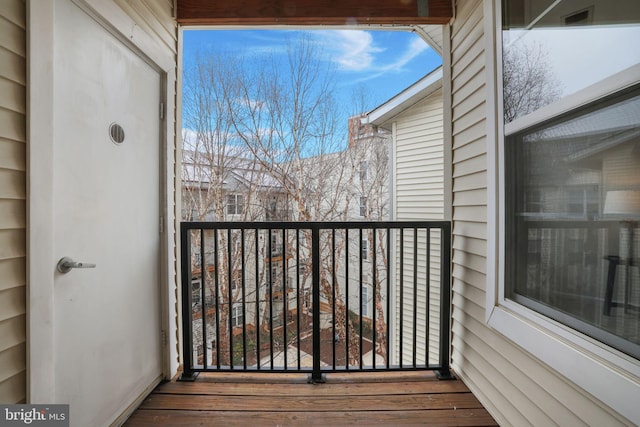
[572,355]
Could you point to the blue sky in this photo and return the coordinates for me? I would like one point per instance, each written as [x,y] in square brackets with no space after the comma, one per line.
[383,62]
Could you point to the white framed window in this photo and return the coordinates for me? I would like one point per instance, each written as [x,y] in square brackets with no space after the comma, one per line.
[364,171]
[364,249]
[364,303]
[548,178]
[237,319]
[235,204]
[363,205]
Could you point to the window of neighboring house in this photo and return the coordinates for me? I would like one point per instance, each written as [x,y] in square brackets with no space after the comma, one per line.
[571,175]
[363,206]
[365,249]
[364,171]
[237,319]
[196,292]
[235,204]
[365,301]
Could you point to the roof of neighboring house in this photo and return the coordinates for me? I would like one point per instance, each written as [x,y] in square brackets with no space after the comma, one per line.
[424,87]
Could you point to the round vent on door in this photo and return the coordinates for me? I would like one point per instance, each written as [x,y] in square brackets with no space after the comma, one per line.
[116,132]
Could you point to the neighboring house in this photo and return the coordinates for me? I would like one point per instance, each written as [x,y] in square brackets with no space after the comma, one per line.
[90,71]
[236,187]
[415,120]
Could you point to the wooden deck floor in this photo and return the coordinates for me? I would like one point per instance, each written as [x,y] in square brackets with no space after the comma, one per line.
[380,399]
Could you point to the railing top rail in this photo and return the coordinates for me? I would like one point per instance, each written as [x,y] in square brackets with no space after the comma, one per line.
[239,225]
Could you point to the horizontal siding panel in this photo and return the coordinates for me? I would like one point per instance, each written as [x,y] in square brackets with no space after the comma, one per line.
[472,91]
[473,149]
[471,41]
[471,166]
[470,198]
[470,182]
[13,217]
[470,101]
[473,294]
[470,229]
[12,303]
[12,361]
[13,96]
[12,37]
[14,389]
[161,12]
[428,143]
[13,273]
[470,134]
[469,260]
[12,244]
[468,124]
[12,125]
[467,244]
[13,214]
[464,9]
[529,414]
[470,278]
[13,332]
[12,184]
[145,19]
[470,213]
[14,11]
[13,67]
[13,155]
[474,66]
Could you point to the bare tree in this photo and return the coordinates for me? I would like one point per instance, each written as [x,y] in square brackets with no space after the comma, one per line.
[285,124]
[528,80]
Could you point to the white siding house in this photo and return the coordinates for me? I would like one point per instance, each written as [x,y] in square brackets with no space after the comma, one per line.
[417,176]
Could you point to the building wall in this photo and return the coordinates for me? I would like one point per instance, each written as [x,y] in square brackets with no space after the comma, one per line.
[13,150]
[418,194]
[514,386]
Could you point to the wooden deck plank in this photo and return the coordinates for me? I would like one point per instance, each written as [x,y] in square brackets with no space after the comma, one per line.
[451,417]
[311,403]
[329,389]
[371,399]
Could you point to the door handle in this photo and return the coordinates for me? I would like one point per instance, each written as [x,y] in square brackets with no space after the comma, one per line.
[66,264]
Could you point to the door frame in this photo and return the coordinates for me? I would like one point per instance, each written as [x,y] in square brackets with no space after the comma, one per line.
[40,172]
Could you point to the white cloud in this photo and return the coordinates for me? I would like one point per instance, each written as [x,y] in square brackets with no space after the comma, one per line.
[356,50]
[415,48]
[352,50]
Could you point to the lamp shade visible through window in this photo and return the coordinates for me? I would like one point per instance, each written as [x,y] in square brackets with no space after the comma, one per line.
[622,202]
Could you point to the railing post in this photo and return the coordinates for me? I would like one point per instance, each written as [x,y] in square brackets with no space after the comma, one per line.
[316,374]
[445,305]
[187,334]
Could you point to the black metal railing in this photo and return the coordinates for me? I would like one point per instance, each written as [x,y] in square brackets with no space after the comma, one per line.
[333,297]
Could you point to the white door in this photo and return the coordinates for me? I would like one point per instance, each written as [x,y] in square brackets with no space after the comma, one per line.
[106,212]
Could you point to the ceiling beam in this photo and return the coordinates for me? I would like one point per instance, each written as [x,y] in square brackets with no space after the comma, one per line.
[313,12]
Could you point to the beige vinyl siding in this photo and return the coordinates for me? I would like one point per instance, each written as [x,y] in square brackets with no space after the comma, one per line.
[512,384]
[419,195]
[155,17]
[13,152]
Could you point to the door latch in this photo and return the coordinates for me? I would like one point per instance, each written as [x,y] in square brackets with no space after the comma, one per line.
[66,264]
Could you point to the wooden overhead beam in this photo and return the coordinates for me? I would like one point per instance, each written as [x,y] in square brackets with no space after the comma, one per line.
[313,12]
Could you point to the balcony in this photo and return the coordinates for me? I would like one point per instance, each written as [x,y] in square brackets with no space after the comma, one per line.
[365,315]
